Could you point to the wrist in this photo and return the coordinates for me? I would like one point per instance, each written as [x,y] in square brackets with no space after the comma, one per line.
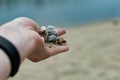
[13,37]
[22,38]
[12,54]
[5,67]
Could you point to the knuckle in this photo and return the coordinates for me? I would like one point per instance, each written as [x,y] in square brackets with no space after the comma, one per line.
[24,21]
[22,18]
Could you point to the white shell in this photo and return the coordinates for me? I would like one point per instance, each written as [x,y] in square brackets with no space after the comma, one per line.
[43,28]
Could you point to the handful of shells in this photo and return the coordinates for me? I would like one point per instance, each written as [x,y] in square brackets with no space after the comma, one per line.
[50,36]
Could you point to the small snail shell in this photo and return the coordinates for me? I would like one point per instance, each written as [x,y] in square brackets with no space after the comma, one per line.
[43,28]
[60,41]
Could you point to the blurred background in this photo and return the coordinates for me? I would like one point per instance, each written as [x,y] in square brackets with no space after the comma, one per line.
[93,37]
[60,12]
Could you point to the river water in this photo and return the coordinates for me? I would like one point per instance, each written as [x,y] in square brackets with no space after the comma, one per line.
[64,13]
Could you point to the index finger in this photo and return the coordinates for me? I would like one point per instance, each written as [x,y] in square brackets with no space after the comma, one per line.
[60,31]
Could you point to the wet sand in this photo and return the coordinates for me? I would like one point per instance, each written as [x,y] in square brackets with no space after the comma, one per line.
[94,55]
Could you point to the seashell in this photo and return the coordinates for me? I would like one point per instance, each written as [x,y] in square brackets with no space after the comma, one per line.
[43,28]
[50,35]
[52,38]
[50,27]
[61,41]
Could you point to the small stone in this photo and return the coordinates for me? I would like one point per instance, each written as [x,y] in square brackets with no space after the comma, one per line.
[52,38]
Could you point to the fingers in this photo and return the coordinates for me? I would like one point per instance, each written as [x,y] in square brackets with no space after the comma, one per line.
[60,31]
[58,49]
[26,22]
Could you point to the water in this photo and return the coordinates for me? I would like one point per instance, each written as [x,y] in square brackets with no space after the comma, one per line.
[64,13]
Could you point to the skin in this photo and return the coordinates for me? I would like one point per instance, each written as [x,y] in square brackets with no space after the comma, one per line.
[23,34]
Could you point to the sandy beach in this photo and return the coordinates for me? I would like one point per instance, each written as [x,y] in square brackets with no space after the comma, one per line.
[94,55]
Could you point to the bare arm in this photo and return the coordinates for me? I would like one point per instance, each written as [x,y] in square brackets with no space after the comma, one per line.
[23,34]
[4,65]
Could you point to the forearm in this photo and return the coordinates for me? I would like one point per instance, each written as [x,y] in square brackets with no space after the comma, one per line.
[5,66]
[19,37]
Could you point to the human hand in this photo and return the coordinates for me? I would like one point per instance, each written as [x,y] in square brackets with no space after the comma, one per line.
[24,34]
